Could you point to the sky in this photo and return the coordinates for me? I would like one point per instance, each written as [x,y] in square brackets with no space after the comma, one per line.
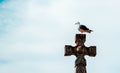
[33,34]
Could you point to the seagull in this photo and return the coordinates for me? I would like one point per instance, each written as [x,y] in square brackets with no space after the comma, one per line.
[82,28]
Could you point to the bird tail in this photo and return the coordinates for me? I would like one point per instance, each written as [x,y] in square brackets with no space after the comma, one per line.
[89,31]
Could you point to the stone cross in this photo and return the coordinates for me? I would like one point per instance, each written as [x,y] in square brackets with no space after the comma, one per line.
[80,50]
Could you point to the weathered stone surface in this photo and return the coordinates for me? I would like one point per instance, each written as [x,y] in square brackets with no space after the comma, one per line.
[80,50]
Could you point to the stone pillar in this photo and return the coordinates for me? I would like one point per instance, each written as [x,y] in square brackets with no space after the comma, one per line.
[80,50]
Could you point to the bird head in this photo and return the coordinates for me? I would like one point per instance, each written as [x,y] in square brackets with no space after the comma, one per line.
[77,23]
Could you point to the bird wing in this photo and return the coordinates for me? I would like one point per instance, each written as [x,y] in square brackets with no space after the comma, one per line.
[83,27]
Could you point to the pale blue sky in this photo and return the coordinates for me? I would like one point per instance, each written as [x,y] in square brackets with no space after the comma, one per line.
[33,34]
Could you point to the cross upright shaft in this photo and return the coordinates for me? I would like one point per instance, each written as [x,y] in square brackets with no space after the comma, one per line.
[80,62]
[80,39]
